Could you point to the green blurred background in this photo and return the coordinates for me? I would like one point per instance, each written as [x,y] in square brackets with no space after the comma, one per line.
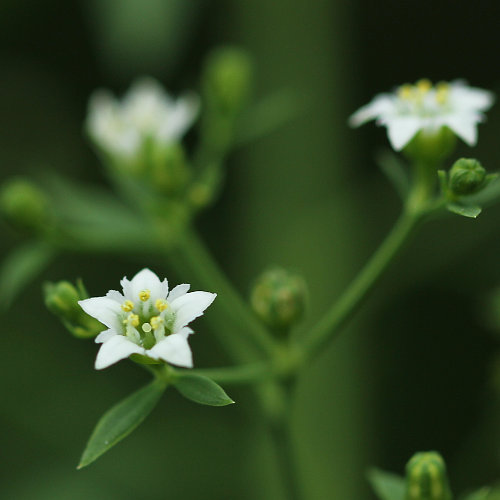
[414,371]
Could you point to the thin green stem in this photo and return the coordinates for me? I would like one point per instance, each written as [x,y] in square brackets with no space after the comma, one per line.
[328,327]
[279,421]
[236,325]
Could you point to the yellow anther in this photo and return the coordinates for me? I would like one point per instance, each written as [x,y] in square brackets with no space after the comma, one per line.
[405,91]
[161,304]
[442,92]
[127,306]
[132,319]
[156,321]
[423,85]
[144,295]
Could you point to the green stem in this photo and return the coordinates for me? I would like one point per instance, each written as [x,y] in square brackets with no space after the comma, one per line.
[328,327]
[279,421]
[237,327]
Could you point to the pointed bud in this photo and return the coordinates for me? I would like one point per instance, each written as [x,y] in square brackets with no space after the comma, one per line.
[426,477]
[227,79]
[278,298]
[24,203]
[62,299]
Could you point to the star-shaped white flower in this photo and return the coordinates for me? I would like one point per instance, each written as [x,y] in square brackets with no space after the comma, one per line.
[146,319]
[146,112]
[427,108]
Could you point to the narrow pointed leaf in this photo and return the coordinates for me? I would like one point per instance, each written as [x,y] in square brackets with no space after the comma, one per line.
[386,485]
[471,211]
[395,171]
[21,267]
[202,390]
[482,494]
[121,420]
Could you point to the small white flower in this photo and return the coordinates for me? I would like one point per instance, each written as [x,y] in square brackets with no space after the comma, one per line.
[427,108]
[146,112]
[146,319]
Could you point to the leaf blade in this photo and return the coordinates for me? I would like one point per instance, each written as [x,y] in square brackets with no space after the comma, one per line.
[387,485]
[119,421]
[202,390]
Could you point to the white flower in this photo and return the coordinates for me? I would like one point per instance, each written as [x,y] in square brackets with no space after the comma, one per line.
[427,108]
[146,112]
[146,319]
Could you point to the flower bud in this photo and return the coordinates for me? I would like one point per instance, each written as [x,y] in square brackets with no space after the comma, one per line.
[24,203]
[62,299]
[169,172]
[426,477]
[467,176]
[278,298]
[227,79]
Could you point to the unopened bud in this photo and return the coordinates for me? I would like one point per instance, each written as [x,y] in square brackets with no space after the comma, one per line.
[467,176]
[62,299]
[227,79]
[24,203]
[426,477]
[278,298]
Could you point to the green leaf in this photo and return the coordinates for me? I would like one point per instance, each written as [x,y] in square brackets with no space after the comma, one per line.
[395,171]
[465,210]
[482,494]
[270,114]
[386,485]
[20,267]
[202,390]
[121,420]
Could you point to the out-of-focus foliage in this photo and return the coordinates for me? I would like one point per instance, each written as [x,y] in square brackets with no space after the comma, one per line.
[412,372]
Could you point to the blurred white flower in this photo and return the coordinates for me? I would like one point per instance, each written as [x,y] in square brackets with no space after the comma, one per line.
[146,319]
[427,108]
[146,112]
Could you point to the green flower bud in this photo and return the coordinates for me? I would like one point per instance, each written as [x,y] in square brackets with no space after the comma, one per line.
[24,203]
[169,172]
[278,298]
[467,176]
[62,299]
[426,477]
[227,79]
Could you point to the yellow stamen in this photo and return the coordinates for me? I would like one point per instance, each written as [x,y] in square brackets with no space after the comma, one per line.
[156,321]
[405,91]
[161,304]
[127,306]
[423,85]
[442,92]
[132,319]
[144,295]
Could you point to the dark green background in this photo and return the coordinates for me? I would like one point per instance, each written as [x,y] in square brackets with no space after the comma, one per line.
[414,371]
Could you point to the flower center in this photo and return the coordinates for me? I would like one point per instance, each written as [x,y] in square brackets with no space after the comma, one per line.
[146,324]
[423,98]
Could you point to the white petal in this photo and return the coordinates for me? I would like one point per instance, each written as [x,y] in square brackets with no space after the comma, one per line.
[464,126]
[190,306]
[401,130]
[116,348]
[379,106]
[463,97]
[105,336]
[180,117]
[174,349]
[116,296]
[145,280]
[103,309]
[178,291]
